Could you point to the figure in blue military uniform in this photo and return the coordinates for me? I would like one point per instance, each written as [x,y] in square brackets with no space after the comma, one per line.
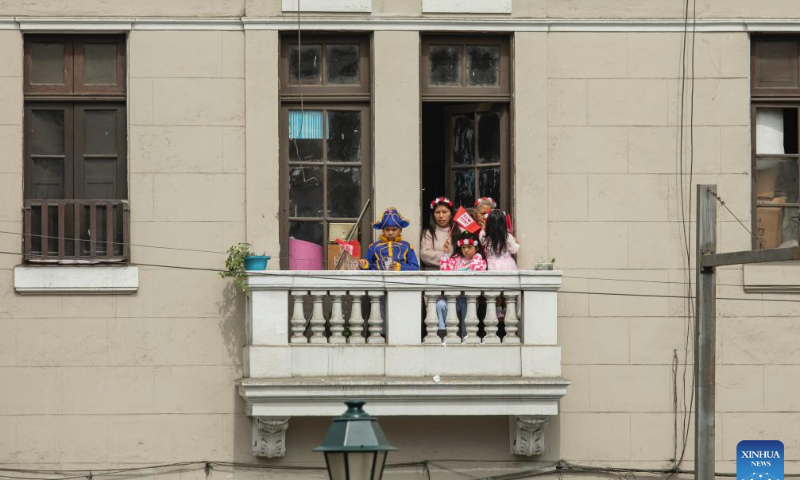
[391,252]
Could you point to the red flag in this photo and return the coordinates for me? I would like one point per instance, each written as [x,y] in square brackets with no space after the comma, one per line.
[465,221]
[509,224]
[353,247]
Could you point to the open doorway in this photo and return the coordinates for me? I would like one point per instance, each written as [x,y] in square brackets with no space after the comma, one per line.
[465,153]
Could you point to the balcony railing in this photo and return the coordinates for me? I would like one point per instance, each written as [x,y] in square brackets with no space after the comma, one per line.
[76,231]
[315,338]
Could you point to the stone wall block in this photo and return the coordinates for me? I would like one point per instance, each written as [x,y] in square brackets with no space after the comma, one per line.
[610,382]
[608,439]
[176,149]
[586,55]
[628,197]
[175,54]
[568,197]
[628,102]
[587,149]
[568,244]
[593,340]
[567,102]
[199,197]
[188,101]
[196,390]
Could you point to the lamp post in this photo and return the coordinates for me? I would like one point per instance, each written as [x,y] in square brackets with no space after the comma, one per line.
[355,447]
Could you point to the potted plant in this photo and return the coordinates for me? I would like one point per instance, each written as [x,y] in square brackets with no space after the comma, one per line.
[543,264]
[241,259]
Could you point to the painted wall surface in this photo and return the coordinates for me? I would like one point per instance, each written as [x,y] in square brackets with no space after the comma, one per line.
[100,381]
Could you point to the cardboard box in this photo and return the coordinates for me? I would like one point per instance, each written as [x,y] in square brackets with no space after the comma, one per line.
[348,263]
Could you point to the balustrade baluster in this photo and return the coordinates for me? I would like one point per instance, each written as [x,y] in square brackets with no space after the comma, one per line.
[511,320]
[375,321]
[356,321]
[337,319]
[490,322]
[298,318]
[471,317]
[451,320]
[432,319]
[318,319]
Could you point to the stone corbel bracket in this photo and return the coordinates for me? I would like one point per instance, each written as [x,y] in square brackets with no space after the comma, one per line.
[527,435]
[269,436]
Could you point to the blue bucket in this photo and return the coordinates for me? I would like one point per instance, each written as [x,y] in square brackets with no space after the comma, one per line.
[256,262]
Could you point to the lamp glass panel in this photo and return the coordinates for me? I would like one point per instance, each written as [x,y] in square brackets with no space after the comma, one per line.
[336,465]
[360,465]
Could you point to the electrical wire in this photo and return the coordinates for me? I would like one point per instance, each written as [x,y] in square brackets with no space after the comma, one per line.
[722,202]
[385,281]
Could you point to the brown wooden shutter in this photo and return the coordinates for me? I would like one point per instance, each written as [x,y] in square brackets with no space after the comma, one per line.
[100,151]
[49,151]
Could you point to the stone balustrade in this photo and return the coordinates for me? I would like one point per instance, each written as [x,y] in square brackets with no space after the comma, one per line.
[399,308]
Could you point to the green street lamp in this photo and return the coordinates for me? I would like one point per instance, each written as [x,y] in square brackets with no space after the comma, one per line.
[355,447]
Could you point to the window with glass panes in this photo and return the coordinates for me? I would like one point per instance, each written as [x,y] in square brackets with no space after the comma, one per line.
[775,105]
[325,147]
[471,75]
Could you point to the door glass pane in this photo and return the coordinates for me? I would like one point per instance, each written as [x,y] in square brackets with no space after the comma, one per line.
[48,178]
[483,66]
[344,192]
[305,135]
[47,132]
[305,246]
[776,131]
[47,63]
[307,67]
[344,136]
[464,139]
[489,138]
[99,181]
[464,187]
[100,131]
[342,64]
[305,191]
[444,65]
[776,64]
[776,227]
[100,64]
[776,180]
[489,183]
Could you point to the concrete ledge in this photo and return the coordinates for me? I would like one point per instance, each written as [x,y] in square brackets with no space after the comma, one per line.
[33,280]
[403,396]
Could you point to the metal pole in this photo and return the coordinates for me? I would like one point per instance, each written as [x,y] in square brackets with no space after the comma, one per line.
[705,334]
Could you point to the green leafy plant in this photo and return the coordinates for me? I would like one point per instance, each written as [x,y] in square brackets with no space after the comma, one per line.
[234,264]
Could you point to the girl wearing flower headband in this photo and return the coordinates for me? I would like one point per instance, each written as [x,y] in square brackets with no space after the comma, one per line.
[436,233]
[499,243]
[483,206]
[467,257]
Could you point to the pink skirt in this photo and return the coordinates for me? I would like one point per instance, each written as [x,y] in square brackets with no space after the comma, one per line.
[503,262]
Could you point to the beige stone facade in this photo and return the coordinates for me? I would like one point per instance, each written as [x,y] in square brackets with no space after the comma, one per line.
[100,381]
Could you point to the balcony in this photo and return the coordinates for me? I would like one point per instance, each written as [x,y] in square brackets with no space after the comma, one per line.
[315,338]
[76,231]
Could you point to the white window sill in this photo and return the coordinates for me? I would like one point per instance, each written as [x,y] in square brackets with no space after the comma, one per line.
[777,277]
[47,279]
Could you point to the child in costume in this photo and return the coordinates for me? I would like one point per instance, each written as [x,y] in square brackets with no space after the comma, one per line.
[466,258]
[498,242]
[391,252]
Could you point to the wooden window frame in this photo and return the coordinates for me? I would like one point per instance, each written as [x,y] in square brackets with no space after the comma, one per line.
[285,164]
[326,97]
[764,97]
[326,92]
[502,91]
[73,67]
[74,98]
[503,164]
